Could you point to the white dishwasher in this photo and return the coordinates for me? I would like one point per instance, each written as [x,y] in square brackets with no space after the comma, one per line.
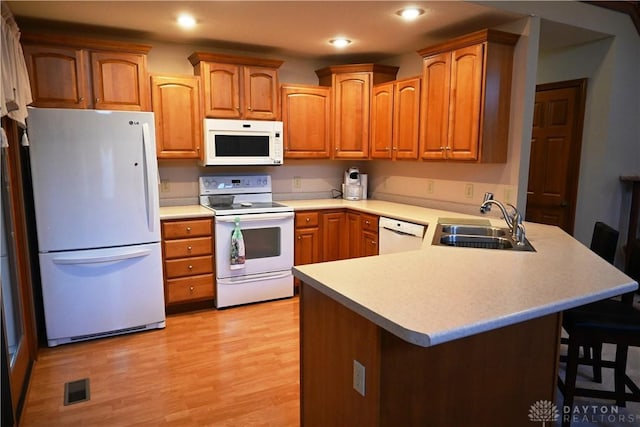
[399,236]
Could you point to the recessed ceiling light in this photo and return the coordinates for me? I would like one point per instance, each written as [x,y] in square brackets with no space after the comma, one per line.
[410,13]
[340,42]
[186,21]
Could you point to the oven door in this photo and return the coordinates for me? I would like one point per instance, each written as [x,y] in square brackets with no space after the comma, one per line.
[268,242]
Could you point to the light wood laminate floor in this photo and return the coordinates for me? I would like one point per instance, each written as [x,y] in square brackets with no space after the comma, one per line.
[233,367]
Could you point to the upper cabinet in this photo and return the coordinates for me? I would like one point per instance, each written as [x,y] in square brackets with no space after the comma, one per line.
[395,108]
[351,87]
[71,72]
[178,120]
[238,87]
[464,111]
[306,117]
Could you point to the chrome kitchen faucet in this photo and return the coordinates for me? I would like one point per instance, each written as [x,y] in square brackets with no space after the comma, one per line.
[514,221]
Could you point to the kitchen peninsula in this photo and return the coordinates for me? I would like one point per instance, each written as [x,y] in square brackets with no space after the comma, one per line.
[443,336]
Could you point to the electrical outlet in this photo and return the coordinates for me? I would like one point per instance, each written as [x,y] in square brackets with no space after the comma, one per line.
[430,186]
[164,185]
[358,377]
[468,191]
[297,182]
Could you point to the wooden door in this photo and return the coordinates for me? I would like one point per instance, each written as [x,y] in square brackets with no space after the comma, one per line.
[465,100]
[178,122]
[334,236]
[260,93]
[221,90]
[351,115]
[306,117]
[57,76]
[120,81]
[434,108]
[406,115]
[556,140]
[19,332]
[382,128]
[354,231]
[369,243]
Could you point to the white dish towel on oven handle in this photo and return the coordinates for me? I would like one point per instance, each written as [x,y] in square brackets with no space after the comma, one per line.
[237,247]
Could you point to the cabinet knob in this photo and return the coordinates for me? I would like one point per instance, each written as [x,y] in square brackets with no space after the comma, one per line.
[97,100]
[447,148]
[308,219]
[249,108]
[190,267]
[189,248]
[191,288]
[81,99]
[238,108]
[188,229]
[441,147]
[367,222]
[373,242]
[299,237]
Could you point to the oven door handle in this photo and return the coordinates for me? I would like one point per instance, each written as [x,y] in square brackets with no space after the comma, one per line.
[255,217]
[238,280]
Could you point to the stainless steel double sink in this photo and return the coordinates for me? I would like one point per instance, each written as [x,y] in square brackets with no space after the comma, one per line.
[478,236]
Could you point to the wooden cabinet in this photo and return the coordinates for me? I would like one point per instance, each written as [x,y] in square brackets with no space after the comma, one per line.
[464,111]
[69,72]
[178,121]
[307,239]
[187,251]
[362,234]
[333,235]
[306,117]
[395,108]
[351,87]
[238,87]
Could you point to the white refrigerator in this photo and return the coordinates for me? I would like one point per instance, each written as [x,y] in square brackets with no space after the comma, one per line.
[95,189]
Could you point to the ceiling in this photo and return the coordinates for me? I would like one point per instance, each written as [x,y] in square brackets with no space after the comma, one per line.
[289,28]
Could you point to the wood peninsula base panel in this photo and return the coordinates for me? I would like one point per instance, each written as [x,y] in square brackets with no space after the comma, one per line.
[491,378]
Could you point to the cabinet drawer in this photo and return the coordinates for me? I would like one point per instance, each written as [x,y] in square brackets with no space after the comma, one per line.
[369,222]
[307,219]
[188,266]
[182,248]
[190,288]
[189,228]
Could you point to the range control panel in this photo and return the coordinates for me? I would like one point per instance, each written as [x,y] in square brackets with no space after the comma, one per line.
[234,184]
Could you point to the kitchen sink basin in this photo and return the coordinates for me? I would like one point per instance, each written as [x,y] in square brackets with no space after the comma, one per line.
[478,236]
[474,230]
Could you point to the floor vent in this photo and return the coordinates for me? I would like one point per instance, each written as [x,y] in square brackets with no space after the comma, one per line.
[76,391]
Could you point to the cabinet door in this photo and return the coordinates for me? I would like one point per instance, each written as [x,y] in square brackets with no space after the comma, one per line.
[334,236]
[351,115]
[260,93]
[57,76]
[120,81]
[354,231]
[221,90]
[307,246]
[434,113]
[406,115]
[176,107]
[382,121]
[369,243]
[465,102]
[306,116]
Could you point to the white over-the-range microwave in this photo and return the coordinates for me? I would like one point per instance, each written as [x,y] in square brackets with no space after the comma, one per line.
[242,142]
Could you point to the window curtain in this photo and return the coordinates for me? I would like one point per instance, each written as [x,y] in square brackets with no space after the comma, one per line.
[15,91]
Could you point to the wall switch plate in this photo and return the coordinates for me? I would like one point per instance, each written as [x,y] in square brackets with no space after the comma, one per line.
[430,185]
[297,182]
[358,377]
[468,191]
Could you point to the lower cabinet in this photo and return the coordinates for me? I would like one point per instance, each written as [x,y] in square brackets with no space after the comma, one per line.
[329,235]
[187,252]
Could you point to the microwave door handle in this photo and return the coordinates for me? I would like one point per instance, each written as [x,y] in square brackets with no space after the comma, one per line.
[255,217]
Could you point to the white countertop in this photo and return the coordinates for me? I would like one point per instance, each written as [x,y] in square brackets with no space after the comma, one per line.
[441,293]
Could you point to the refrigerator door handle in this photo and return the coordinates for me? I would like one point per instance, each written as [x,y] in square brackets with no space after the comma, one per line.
[71,260]
[149,158]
